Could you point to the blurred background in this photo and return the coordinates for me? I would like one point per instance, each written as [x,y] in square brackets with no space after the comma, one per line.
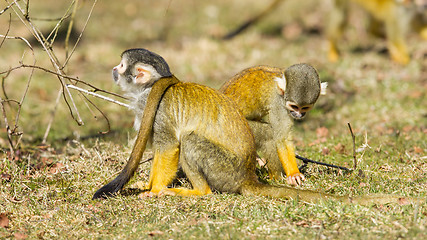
[366,88]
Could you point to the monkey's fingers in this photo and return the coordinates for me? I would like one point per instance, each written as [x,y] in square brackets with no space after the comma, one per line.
[295,179]
[142,185]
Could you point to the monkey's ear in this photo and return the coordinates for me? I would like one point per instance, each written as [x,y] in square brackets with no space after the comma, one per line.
[281,84]
[143,75]
[323,87]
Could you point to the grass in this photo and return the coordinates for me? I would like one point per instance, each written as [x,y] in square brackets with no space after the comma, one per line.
[46,191]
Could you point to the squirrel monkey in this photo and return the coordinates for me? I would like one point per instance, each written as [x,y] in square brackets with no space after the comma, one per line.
[395,15]
[269,98]
[197,128]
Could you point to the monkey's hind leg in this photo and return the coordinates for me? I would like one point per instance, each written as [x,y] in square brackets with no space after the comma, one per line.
[163,169]
[198,181]
[195,154]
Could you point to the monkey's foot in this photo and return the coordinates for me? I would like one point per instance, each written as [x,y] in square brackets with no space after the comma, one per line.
[147,194]
[142,185]
[295,179]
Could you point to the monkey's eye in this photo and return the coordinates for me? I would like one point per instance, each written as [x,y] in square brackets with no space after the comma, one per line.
[294,107]
[305,108]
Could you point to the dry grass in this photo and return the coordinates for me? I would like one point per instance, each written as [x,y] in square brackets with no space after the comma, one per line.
[45,192]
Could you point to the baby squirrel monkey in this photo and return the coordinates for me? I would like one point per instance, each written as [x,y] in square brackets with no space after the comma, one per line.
[269,98]
[396,16]
[199,129]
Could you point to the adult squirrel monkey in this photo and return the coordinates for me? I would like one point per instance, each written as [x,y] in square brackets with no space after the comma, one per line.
[397,17]
[197,128]
[269,98]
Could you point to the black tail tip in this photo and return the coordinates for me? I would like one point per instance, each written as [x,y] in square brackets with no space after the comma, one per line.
[112,187]
[104,193]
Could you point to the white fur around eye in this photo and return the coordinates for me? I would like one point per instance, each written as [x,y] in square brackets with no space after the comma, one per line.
[281,84]
[121,68]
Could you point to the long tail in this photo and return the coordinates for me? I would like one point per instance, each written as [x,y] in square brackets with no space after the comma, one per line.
[256,188]
[145,131]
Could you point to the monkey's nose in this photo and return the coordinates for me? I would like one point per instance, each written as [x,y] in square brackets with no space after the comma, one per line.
[115,74]
[297,115]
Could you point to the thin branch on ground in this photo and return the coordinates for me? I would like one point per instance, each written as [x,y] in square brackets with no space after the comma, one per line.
[354,147]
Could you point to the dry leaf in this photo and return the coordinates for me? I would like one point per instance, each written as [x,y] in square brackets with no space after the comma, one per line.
[340,148]
[325,151]
[418,149]
[302,223]
[5,176]
[404,201]
[20,235]
[4,220]
[57,167]
[408,128]
[317,142]
[155,233]
[322,132]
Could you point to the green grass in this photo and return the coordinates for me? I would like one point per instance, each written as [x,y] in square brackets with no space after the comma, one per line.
[46,192]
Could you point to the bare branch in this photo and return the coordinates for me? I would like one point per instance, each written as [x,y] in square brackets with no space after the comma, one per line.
[52,113]
[27,87]
[6,8]
[354,147]
[98,95]
[22,11]
[103,115]
[20,38]
[11,146]
[55,30]
[70,27]
[54,60]
[96,89]
[81,34]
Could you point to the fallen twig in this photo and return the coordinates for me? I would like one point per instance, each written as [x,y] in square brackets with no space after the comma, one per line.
[354,146]
[306,160]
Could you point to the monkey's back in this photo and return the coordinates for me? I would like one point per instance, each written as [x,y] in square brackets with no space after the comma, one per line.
[247,90]
[194,108]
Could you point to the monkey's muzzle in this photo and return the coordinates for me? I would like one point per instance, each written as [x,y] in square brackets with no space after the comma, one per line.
[115,74]
[297,115]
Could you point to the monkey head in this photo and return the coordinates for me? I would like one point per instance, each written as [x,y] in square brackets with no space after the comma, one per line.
[300,87]
[139,68]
